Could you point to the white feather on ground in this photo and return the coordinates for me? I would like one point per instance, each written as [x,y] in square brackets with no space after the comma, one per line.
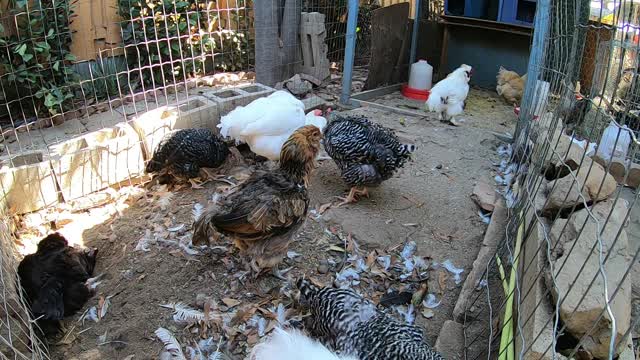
[171,344]
[292,345]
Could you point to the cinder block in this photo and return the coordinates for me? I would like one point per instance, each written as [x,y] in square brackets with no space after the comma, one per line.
[314,48]
[197,112]
[97,160]
[27,183]
[229,99]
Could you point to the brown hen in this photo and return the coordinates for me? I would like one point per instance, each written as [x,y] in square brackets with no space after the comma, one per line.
[510,85]
[264,213]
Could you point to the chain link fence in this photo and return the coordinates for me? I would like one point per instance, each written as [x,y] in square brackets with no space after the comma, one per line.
[564,280]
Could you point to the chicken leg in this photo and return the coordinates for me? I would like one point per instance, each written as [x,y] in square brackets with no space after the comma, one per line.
[352,197]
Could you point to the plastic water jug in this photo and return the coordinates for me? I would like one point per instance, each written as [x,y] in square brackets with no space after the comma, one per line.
[421,75]
[608,146]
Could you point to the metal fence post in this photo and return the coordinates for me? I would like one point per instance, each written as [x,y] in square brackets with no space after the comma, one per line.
[349,51]
[414,34]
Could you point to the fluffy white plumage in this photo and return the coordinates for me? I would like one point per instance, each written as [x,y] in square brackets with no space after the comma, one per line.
[447,97]
[292,345]
[266,123]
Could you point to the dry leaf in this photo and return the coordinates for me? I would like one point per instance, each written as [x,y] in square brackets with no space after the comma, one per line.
[419,295]
[231,302]
[324,207]
[195,184]
[336,248]
[243,314]
[427,313]
[442,281]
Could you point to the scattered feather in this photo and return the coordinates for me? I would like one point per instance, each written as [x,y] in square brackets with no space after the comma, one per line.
[348,276]
[262,326]
[408,250]
[90,314]
[281,315]
[197,211]
[454,270]
[384,261]
[184,314]
[176,228]
[164,201]
[408,315]
[292,254]
[143,243]
[486,218]
[171,344]
[431,302]
[104,304]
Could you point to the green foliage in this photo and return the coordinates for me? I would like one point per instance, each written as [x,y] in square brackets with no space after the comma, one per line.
[35,61]
[168,40]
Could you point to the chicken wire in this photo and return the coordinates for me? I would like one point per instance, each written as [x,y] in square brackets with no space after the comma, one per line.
[72,72]
[17,337]
[572,235]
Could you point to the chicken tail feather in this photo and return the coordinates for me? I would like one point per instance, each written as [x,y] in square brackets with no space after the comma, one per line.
[203,228]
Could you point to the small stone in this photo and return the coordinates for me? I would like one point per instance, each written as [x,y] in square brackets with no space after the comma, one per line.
[566,192]
[427,313]
[297,86]
[484,196]
[323,268]
[439,166]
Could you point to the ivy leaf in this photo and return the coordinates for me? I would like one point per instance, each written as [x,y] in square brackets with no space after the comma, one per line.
[56,65]
[27,57]
[20,50]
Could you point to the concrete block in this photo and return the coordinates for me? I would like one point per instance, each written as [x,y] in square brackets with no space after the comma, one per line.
[229,99]
[197,112]
[314,48]
[535,310]
[27,183]
[97,160]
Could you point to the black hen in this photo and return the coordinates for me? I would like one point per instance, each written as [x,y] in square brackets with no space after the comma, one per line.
[185,151]
[54,279]
[366,153]
[355,327]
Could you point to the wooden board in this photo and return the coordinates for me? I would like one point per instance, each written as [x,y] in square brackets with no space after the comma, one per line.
[389,28]
[95,28]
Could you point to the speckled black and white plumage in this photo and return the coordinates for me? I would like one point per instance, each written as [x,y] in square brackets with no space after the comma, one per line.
[353,325]
[186,151]
[366,153]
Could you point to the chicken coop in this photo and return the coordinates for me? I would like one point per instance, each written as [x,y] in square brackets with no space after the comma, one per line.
[540,262]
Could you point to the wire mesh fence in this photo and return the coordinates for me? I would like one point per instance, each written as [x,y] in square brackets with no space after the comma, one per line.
[564,280]
[88,88]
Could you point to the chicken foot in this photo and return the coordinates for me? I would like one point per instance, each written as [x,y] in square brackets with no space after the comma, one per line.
[275,271]
[353,193]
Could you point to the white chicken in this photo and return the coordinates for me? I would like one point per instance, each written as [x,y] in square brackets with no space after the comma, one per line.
[448,96]
[266,123]
[290,345]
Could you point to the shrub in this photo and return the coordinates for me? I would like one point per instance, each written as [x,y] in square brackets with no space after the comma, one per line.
[35,61]
[167,41]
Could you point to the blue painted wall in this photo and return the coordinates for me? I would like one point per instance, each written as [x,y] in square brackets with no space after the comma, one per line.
[486,51]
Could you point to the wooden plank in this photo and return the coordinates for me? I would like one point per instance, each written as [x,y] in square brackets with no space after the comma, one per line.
[389,26]
[381,91]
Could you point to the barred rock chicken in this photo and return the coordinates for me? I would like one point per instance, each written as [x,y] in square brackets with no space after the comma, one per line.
[355,327]
[263,214]
[448,96]
[54,279]
[266,123]
[366,153]
[291,345]
[185,151]
[510,85]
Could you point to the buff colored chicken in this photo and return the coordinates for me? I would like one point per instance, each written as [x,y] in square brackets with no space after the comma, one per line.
[264,213]
[510,85]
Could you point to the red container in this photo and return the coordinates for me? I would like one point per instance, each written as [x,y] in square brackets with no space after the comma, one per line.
[414,94]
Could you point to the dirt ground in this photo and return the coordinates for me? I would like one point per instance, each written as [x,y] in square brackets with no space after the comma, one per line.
[426,202]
